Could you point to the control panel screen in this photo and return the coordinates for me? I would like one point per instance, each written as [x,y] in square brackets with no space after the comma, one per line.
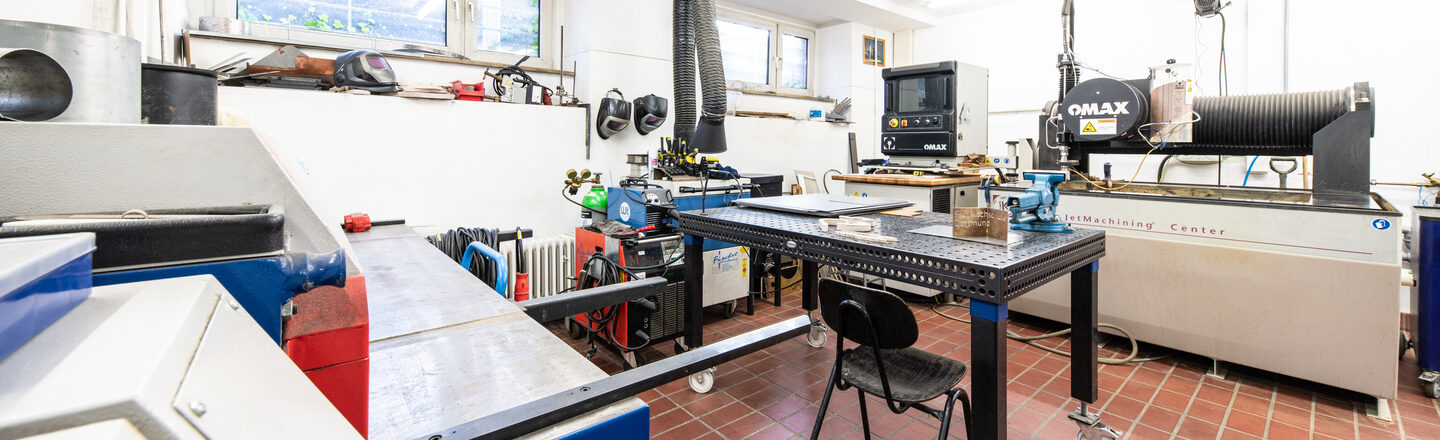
[924,94]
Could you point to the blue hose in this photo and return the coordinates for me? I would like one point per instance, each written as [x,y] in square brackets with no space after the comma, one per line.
[1247,171]
[501,271]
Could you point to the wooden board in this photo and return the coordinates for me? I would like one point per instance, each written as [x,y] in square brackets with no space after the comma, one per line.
[908,180]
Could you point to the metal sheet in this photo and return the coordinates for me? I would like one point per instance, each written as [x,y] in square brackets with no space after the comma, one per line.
[441,378]
[942,231]
[237,377]
[823,204]
[414,287]
[104,68]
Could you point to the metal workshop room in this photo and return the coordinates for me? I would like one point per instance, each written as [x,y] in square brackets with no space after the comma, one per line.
[719,220]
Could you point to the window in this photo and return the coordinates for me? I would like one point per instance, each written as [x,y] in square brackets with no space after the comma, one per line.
[765,55]
[490,30]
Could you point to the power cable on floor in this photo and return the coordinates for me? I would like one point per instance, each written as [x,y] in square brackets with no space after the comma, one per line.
[1030,340]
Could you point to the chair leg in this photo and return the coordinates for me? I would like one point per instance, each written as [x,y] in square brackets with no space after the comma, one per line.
[864,418]
[958,394]
[825,401]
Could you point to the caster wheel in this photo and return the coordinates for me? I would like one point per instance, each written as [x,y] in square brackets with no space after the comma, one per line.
[1431,389]
[575,330]
[729,309]
[817,336]
[1404,345]
[679,348]
[703,381]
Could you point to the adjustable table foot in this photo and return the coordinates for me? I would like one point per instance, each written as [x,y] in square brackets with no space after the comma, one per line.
[1090,426]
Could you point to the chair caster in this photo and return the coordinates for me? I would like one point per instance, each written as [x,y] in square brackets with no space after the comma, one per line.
[1091,428]
[1430,383]
[817,336]
[703,381]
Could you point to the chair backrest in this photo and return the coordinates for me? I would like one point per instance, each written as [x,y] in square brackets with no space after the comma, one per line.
[894,322]
[808,183]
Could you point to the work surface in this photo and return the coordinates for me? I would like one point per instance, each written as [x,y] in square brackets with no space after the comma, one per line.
[908,180]
[446,349]
[987,272]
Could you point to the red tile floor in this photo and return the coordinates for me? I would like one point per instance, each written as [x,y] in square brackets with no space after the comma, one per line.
[775,393]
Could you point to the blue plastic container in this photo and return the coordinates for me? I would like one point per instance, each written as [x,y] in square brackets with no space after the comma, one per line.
[41,279]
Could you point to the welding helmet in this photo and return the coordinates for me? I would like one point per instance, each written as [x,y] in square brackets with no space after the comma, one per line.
[365,70]
[650,111]
[614,114]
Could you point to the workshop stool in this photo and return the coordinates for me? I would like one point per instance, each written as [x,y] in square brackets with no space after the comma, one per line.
[885,363]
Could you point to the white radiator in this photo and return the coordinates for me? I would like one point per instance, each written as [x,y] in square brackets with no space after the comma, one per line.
[549,262]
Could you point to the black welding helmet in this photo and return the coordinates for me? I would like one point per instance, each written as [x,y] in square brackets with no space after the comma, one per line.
[650,111]
[614,114]
[365,70]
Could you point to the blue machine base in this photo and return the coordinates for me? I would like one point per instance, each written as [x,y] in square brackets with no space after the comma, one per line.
[631,425]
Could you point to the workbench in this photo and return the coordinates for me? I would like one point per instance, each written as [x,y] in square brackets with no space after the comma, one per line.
[990,275]
[445,349]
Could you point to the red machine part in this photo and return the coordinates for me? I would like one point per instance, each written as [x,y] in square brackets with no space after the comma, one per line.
[328,337]
[588,243]
[357,222]
[468,92]
[522,286]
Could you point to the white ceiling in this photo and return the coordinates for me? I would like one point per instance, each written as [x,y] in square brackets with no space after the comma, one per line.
[893,15]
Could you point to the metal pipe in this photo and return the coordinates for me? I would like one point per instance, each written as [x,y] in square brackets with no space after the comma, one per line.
[33,86]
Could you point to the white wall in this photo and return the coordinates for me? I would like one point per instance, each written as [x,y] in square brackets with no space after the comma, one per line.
[442,164]
[1332,44]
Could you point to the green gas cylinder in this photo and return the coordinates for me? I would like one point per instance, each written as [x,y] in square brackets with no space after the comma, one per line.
[598,202]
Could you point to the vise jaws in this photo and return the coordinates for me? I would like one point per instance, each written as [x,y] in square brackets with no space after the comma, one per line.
[1034,210]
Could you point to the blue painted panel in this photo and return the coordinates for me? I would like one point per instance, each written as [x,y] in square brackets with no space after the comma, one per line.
[988,311]
[1427,282]
[28,310]
[261,285]
[631,425]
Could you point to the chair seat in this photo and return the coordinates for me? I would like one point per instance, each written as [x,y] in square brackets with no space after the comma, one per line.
[915,375]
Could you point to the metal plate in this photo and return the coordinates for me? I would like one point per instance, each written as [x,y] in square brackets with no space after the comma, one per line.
[975,270]
[942,231]
[829,205]
[237,378]
[441,378]
[414,287]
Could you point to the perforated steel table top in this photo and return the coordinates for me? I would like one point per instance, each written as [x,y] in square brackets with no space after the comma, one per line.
[986,272]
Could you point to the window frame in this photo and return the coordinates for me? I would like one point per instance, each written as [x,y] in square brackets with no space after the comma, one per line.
[778,29]
[462,31]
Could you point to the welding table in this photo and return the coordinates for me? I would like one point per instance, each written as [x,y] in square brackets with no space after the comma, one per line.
[989,275]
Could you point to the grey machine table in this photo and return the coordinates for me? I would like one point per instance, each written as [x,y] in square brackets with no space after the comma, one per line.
[446,349]
[990,275]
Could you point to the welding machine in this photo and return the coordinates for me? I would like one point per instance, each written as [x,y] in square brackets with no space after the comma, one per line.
[634,325]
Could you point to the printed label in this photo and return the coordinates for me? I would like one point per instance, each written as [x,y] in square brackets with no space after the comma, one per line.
[1097,126]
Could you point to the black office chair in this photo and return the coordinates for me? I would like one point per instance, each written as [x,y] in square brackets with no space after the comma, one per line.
[885,330]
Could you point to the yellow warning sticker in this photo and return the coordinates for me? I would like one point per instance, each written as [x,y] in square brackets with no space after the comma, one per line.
[1097,126]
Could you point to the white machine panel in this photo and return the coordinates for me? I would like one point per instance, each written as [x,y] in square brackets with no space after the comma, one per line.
[1308,293]
[727,275]
[117,429]
[125,352]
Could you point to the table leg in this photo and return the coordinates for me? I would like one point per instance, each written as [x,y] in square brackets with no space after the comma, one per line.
[988,360]
[1084,359]
[694,290]
[809,285]
[778,281]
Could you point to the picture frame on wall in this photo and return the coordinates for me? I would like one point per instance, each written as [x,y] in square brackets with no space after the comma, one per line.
[874,51]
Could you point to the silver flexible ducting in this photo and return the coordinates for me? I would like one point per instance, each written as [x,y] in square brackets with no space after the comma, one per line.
[684,68]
